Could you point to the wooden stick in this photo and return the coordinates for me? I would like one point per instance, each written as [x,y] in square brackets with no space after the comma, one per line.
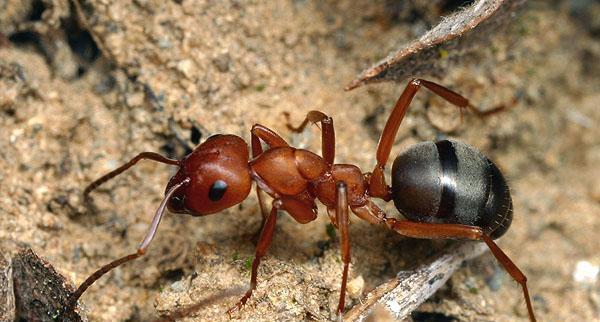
[410,289]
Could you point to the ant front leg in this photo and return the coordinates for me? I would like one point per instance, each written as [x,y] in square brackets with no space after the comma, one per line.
[452,231]
[260,132]
[302,212]
[266,236]
[327,136]
[377,185]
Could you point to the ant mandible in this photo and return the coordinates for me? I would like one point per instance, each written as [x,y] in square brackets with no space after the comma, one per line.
[445,189]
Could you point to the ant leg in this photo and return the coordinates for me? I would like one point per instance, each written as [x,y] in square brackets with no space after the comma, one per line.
[377,185]
[144,155]
[272,139]
[451,231]
[141,250]
[461,101]
[261,203]
[369,212]
[300,211]
[261,132]
[303,211]
[342,224]
[266,236]
[328,132]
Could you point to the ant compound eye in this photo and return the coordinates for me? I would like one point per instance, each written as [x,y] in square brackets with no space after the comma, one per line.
[217,190]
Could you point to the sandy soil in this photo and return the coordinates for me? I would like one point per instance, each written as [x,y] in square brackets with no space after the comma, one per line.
[74,105]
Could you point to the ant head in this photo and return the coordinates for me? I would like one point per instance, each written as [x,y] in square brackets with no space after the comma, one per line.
[219,177]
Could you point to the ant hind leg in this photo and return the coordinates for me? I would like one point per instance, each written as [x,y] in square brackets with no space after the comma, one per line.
[452,231]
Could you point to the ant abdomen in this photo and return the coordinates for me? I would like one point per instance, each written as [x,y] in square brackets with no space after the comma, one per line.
[451,182]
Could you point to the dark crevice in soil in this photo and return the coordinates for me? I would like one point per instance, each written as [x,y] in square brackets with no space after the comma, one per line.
[81,44]
[37,9]
[432,317]
[453,5]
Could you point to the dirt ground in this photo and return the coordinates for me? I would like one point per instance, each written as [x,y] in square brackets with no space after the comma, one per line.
[157,75]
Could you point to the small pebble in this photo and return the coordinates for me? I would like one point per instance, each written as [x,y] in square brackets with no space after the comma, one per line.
[356,287]
[222,62]
[187,67]
[586,273]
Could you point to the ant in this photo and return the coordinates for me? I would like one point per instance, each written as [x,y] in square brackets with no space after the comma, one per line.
[445,189]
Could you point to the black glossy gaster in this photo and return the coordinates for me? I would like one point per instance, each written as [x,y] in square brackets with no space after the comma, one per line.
[449,164]
[450,182]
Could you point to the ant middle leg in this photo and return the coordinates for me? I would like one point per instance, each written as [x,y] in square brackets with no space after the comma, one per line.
[452,231]
[342,224]
[327,129]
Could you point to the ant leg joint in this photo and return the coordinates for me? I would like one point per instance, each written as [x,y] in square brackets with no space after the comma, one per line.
[277,203]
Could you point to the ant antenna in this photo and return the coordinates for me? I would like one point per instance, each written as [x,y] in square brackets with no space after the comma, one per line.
[141,250]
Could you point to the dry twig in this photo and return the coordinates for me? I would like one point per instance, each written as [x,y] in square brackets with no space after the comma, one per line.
[452,38]
[409,289]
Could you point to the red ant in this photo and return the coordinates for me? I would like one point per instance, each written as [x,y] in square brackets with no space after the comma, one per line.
[445,189]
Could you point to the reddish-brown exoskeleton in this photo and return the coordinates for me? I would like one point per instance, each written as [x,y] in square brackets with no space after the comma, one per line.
[445,189]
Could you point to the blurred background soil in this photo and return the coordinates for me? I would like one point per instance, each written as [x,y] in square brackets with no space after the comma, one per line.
[85,86]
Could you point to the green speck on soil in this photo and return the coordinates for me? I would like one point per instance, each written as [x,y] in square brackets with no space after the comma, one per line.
[443,53]
[330,231]
[248,263]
